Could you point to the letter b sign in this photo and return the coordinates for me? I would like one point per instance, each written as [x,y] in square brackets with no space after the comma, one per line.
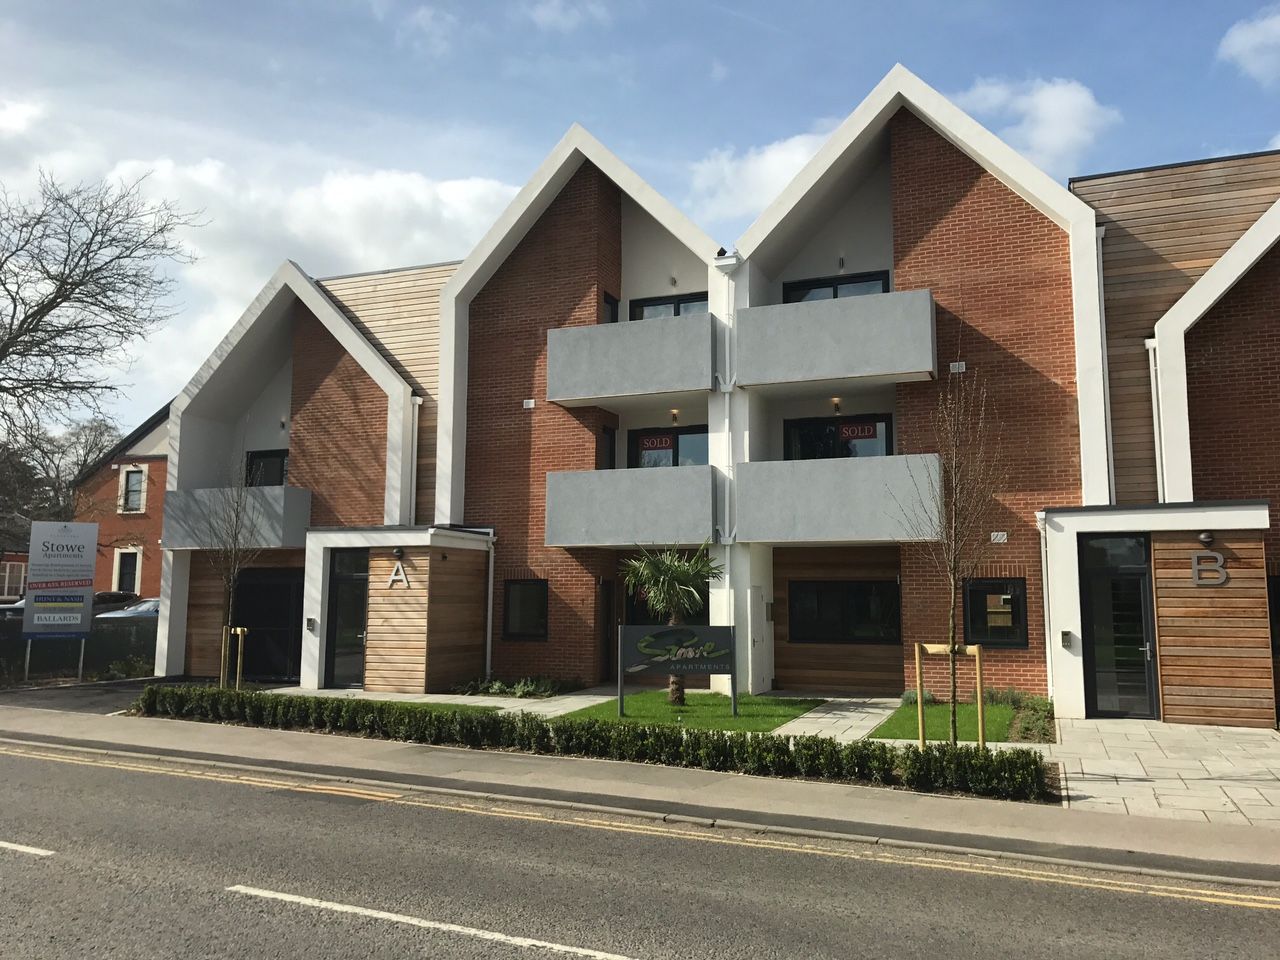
[1209,569]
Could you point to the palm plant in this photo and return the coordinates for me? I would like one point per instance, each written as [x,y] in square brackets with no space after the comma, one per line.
[671,582]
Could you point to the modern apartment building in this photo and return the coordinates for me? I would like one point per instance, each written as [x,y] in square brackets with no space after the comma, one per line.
[447,463]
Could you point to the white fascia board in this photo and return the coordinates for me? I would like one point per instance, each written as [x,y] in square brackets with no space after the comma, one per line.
[399,537]
[475,271]
[902,88]
[290,277]
[1171,345]
[1239,515]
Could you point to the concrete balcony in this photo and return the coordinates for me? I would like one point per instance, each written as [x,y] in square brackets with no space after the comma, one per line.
[881,338]
[271,517]
[588,366]
[623,508]
[854,500]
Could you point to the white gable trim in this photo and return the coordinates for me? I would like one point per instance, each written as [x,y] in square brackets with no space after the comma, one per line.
[489,254]
[1173,410]
[902,88]
[291,279]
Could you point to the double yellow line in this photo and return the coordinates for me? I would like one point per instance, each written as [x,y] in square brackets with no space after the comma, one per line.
[1031,874]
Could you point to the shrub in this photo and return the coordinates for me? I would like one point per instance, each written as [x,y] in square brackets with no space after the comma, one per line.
[524,687]
[909,698]
[1033,721]
[1017,774]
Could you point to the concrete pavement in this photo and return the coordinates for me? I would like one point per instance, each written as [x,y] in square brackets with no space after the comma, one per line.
[881,814]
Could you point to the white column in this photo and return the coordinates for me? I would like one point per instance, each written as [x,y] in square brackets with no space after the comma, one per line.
[171,631]
[315,592]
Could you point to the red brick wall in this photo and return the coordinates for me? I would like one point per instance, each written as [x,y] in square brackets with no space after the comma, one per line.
[1233,397]
[337,431]
[1000,275]
[554,278]
[97,501]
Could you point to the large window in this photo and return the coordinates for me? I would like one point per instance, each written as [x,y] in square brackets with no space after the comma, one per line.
[827,438]
[667,447]
[135,483]
[266,468]
[524,610]
[833,288]
[843,611]
[995,612]
[654,308]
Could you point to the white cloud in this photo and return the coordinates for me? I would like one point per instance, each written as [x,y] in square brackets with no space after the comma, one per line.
[17,116]
[718,71]
[1053,122]
[428,30]
[566,15]
[729,185]
[1254,46]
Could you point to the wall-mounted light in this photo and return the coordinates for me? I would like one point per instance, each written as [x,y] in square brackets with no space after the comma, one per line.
[398,552]
[1206,538]
[835,405]
[841,261]
[675,282]
[675,417]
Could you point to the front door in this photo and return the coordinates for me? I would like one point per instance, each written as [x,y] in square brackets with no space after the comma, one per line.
[348,609]
[1119,640]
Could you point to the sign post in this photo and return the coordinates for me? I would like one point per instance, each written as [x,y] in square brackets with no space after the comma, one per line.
[683,649]
[60,584]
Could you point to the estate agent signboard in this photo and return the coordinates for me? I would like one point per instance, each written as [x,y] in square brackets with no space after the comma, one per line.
[60,580]
[683,649]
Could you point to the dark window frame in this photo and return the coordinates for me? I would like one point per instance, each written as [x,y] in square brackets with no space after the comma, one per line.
[525,636]
[125,506]
[634,437]
[639,303]
[988,585]
[610,311]
[253,457]
[607,448]
[133,574]
[886,418]
[792,287]
[1273,611]
[794,637]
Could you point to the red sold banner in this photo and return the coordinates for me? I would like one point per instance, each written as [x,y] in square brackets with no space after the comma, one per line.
[858,431]
[663,442]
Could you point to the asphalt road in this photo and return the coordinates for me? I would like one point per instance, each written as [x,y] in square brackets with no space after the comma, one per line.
[143,854]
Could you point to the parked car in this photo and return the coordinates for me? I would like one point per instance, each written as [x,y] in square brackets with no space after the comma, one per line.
[13,611]
[143,609]
[107,600]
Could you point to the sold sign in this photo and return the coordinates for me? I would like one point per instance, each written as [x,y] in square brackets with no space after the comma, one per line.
[858,431]
[664,442]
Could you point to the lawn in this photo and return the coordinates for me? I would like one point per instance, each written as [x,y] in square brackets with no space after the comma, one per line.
[703,711]
[903,724]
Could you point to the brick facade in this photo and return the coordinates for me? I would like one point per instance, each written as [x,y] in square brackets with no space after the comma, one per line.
[98,501]
[338,429]
[1000,275]
[554,278]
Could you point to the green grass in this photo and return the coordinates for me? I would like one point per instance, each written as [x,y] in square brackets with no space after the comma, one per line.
[903,724]
[703,711]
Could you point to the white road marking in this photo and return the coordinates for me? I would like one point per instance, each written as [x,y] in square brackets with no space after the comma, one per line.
[19,848]
[492,935]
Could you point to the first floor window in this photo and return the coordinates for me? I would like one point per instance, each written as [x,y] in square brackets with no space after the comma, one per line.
[667,447]
[844,611]
[834,288]
[829,438]
[995,612]
[127,571]
[524,610]
[135,482]
[655,308]
[266,468]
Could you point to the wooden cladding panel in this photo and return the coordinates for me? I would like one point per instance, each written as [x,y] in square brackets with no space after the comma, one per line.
[845,667]
[1213,642]
[399,313]
[207,607]
[395,653]
[459,591]
[1164,229]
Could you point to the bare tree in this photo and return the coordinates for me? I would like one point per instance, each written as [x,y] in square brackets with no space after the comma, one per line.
[960,499]
[232,520]
[80,280]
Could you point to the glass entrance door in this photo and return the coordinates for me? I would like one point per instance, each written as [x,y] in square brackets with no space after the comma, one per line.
[1119,640]
[348,609]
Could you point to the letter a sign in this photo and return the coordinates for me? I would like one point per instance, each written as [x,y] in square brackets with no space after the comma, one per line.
[398,576]
[1209,569]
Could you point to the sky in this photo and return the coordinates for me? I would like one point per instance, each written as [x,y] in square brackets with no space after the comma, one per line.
[355,135]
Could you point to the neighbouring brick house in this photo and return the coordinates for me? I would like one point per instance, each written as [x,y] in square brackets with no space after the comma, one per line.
[123,493]
[456,458]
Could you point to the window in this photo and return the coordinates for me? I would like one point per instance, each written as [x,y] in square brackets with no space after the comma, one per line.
[524,610]
[127,571]
[833,288]
[266,468]
[607,448]
[667,447]
[995,612]
[843,611]
[826,438]
[652,308]
[608,308]
[134,487]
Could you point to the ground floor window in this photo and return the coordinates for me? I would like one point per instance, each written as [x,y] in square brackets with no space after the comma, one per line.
[127,571]
[844,611]
[828,438]
[524,610]
[995,612]
[667,447]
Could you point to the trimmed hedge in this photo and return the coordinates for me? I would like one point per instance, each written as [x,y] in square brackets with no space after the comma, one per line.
[1018,774]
